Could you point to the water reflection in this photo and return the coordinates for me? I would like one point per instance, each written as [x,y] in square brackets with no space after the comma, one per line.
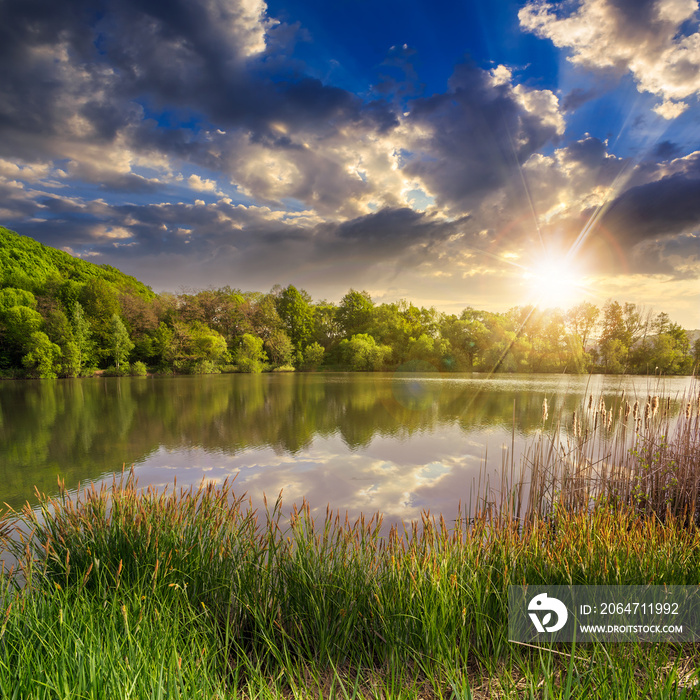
[378,442]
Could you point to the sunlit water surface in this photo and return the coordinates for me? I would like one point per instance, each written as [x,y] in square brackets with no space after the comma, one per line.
[397,444]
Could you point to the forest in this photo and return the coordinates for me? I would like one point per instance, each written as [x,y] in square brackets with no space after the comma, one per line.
[61,316]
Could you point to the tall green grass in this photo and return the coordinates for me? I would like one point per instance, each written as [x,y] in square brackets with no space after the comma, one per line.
[125,592]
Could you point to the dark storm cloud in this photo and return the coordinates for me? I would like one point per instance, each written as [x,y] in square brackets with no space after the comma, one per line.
[480,134]
[392,230]
[666,207]
[103,62]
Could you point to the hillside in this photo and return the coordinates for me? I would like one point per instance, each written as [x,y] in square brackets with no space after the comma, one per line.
[28,264]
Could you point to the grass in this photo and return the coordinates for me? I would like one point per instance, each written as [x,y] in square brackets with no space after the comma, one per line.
[124,592]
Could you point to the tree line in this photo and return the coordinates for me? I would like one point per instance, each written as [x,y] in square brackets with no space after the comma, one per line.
[61,316]
[67,329]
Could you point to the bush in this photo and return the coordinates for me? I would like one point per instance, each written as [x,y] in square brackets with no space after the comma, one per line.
[113,371]
[138,369]
[313,356]
[204,367]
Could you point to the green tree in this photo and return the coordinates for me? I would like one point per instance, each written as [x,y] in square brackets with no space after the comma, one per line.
[670,352]
[468,335]
[206,346]
[42,356]
[250,356]
[119,342]
[20,322]
[279,348]
[10,297]
[695,359]
[82,337]
[613,353]
[60,332]
[354,313]
[100,303]
[327,330]
[426,353]
[313,356]
[581,320]
[297,314]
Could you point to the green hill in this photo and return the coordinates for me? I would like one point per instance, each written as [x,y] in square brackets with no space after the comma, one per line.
[28,264]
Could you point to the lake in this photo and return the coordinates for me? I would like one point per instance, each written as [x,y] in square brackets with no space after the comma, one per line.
[378,442]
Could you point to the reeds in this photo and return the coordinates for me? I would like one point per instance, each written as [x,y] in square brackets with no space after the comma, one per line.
[645,456]
[124,592]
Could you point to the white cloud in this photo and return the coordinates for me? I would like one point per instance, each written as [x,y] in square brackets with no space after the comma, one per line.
[650,45]
[201,185]
[543,104]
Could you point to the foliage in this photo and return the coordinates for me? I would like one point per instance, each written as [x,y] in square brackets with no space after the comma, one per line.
[354,313]
[313,356]
[75,303]
[250,356]
[362,353]
[120,343]
[297,314]
[42,356]
[82,336]
[138,369]
[279,348]
[33,264]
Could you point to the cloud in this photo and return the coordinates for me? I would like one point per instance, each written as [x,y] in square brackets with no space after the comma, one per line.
[657,41]
[200,184]
[668,206]
[147,76]
[187,141]
[467,142]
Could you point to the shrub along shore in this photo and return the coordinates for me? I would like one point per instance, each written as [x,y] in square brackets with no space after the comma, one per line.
[132,593]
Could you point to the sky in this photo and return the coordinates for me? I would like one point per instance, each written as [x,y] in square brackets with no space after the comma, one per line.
[483,153]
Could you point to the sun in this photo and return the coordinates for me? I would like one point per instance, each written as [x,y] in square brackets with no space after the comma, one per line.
[553,282]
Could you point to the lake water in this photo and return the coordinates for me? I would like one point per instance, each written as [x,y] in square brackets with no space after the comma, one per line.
[390,443]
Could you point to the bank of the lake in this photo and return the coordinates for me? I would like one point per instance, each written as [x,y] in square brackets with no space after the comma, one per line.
[145,594]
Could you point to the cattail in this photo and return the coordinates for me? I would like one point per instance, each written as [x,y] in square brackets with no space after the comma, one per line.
[602,405]
[628,408]
[590,402]
[635,413]
[647,412]
[654,405]
[610,416]
[545,411]
[687,411]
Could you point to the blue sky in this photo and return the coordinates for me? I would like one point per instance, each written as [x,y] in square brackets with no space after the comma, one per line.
[483,154]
